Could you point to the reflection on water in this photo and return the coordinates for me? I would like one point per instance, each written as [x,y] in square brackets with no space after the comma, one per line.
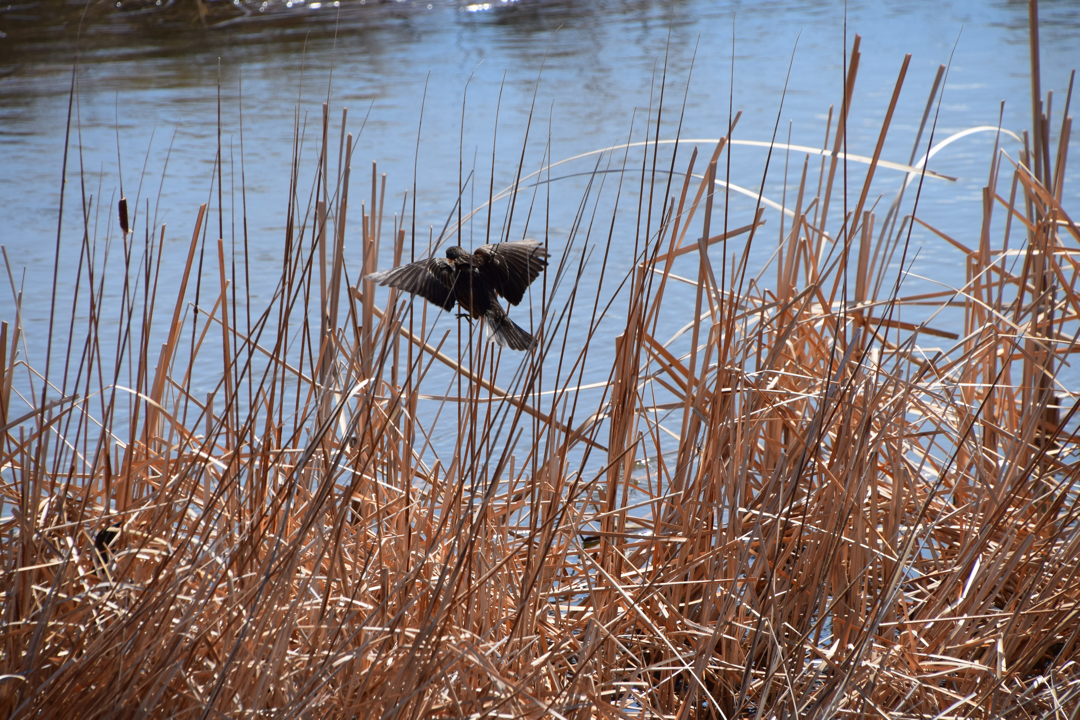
[558,78]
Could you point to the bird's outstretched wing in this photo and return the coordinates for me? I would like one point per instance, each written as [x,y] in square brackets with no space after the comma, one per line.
[511,267]
[431,279]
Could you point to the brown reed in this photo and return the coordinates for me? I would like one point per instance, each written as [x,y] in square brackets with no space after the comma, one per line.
[802,509]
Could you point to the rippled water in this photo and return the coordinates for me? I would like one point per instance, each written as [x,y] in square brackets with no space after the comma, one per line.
[586,72]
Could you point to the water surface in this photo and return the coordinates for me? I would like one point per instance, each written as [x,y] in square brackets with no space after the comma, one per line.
[427,84]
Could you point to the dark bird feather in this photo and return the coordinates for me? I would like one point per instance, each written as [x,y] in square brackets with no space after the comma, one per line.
[473,281]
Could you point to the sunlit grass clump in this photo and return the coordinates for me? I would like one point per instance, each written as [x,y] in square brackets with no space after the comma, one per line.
[797,505]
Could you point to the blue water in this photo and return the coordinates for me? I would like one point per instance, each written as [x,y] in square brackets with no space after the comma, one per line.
[426,85]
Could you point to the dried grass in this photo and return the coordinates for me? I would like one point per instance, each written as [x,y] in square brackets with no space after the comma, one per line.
[801,511]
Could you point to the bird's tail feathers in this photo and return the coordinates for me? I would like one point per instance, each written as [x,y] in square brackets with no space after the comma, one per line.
[507,333]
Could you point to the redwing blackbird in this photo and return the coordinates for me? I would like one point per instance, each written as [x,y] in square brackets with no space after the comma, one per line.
[473,281]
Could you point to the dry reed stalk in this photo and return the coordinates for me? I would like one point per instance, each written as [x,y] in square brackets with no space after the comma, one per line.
[801,509]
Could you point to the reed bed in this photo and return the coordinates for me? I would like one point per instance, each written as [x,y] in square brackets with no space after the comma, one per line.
[798,505]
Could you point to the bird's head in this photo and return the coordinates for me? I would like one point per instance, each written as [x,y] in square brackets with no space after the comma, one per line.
[458,256]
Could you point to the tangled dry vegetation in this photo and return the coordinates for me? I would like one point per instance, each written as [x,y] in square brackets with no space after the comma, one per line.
[800,510]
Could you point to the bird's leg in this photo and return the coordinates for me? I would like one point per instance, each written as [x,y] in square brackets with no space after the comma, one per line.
[465,315]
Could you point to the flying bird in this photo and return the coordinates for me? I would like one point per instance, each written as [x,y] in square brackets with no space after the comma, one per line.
[473,280]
